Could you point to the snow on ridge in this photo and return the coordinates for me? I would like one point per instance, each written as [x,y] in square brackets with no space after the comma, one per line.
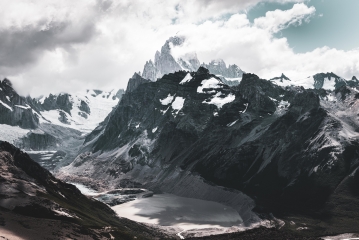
[187,78]
[167,100]
[239,79]
[8,98]
[209,83]
[5,105]
[232,123]
[164,111]
[23,107]
[273,99]
[218,101]
[329,83]
[42,99]
[246,104]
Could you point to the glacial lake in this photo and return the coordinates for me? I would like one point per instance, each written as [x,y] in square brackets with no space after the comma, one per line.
[185,213]
[168,210]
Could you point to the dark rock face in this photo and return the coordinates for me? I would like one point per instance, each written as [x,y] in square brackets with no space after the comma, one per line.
[84,107]
[257,92]
[63,118]
[321,77]
[61,101]
[119,94]
[38,140]
[134,82]
[16,110]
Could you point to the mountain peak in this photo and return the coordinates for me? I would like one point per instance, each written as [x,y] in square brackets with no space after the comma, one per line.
[7,82]
[202,70]
[281,78]
[135,81]
[167,61]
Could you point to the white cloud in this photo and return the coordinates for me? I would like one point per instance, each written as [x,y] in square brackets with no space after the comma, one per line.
[53,46]
[277,20]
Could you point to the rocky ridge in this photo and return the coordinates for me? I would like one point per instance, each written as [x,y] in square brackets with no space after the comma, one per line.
[29,193]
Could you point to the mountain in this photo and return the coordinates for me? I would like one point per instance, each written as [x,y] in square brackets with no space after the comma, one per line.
[283,80]
[52,128]
[16,110]
[328,81]
[165,62]
[36,205]
[256,146]
[230,75]
[82,111]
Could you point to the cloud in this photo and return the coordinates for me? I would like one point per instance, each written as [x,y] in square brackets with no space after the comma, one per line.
[53,46]
[277,20]
[255,49]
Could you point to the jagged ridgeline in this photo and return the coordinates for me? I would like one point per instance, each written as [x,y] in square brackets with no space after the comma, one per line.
[165,62]
[289,148]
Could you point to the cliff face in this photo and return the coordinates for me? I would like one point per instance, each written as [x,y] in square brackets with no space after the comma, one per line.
[16,110]
[134,82]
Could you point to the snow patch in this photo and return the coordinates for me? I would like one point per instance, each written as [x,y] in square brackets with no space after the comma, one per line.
[167,100]
[273,99]
[329,83]
[246,104]
[154,130]
[178,103]
[23,107]
[232,123]
[62,213]
[330,98]
[239,79]
[218,101]
[8,98]
[5,105]
[187,78]
[283,104]
[209,83]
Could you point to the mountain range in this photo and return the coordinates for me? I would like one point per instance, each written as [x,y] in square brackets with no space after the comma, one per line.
[280,147]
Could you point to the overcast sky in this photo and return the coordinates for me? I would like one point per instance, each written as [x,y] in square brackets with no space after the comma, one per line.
[65,46]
